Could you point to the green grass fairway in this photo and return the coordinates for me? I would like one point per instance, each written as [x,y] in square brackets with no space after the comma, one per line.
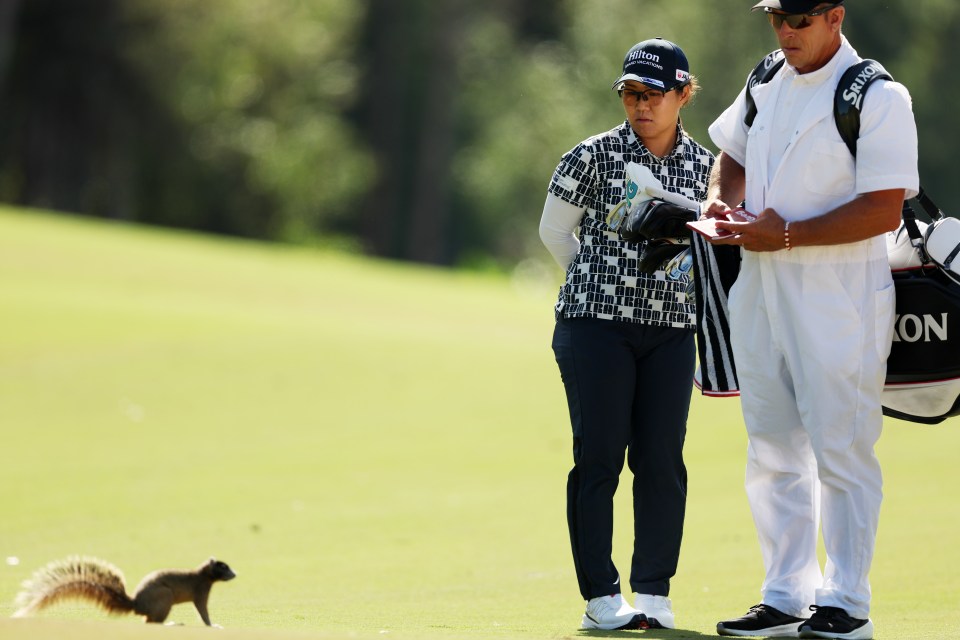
[378,450]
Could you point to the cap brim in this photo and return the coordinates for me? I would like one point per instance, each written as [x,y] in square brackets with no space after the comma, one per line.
[650,82]
[793,6]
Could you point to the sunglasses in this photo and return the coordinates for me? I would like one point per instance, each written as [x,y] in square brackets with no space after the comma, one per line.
[653,96]
[795,20]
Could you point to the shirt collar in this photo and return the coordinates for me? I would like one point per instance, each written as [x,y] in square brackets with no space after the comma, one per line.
[634,141]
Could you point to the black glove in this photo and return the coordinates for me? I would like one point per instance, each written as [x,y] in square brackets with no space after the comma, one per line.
[655,220]
[655,253]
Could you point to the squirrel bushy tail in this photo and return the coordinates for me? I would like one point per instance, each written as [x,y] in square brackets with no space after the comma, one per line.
[77,577]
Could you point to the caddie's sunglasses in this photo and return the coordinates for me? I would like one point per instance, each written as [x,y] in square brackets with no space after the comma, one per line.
[653,96]
[795,20]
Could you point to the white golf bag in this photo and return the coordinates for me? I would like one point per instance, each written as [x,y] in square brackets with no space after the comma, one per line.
[923,370]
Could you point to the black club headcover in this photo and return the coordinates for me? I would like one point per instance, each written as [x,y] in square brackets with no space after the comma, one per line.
[656,220]
[655,253]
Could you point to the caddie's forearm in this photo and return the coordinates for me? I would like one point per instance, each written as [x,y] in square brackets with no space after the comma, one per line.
[867,215]
[728,181]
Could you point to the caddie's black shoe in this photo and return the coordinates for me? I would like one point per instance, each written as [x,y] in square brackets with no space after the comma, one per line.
[761,621]
[834,622]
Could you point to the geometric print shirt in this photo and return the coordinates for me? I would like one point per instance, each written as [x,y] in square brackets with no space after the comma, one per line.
[602,281]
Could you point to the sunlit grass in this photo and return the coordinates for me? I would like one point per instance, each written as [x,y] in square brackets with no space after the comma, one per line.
[378,450]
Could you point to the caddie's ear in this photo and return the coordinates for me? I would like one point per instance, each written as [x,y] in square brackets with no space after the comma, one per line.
[835,17]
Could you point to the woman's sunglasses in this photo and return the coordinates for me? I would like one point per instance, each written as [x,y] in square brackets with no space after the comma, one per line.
[795,20]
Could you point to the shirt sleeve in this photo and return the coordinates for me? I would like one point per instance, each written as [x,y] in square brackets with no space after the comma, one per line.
[887,147]
[575,178]
[557,224]
[729,133]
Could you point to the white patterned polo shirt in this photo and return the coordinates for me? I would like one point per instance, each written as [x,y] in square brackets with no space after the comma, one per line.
[602,281]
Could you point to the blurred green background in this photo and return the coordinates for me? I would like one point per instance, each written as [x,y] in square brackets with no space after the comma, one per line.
[409,129]
[378,448]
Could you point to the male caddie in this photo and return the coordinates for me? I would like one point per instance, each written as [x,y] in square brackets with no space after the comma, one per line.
[811,316]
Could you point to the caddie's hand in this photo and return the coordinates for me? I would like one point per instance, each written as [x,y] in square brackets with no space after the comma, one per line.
[763,234]
[714,208]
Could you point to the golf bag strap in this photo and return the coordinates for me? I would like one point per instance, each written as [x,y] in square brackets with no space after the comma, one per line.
[910,224]
[847,103]
[953,254]
[929,206]
[848,98]
[910,221]
[761,74]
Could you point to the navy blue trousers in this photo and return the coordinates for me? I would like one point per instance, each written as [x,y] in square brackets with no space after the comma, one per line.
[628,388]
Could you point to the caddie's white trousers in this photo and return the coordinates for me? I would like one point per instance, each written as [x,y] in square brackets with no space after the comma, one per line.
[811,341]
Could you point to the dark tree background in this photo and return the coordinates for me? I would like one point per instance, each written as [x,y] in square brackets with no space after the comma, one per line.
[408,129]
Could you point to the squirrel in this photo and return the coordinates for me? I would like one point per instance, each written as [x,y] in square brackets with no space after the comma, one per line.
[99,581]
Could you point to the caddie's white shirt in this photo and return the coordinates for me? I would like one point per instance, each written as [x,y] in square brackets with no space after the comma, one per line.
[807,170]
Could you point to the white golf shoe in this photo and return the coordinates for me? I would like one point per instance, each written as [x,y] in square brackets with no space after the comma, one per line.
[656,609]
[611,612]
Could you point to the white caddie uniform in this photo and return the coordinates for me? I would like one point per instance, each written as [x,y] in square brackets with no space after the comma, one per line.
[811,329]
